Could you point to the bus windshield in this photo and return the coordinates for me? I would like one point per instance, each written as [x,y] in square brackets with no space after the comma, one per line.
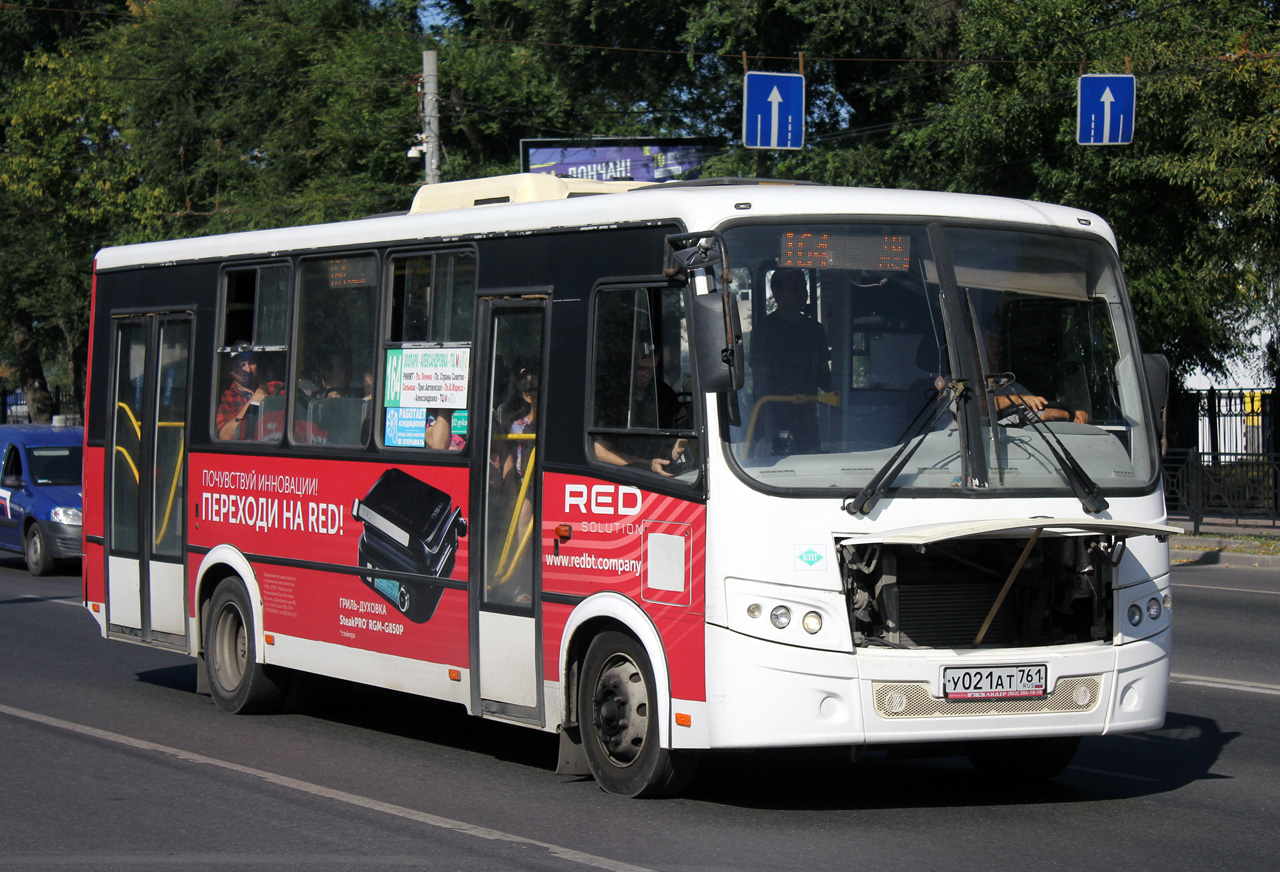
[852,356]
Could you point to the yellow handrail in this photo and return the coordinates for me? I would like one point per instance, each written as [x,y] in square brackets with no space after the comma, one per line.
[132,465]
[177,466]
[515,558]
[173,488]
[830,398]
[137,428]
[515,512]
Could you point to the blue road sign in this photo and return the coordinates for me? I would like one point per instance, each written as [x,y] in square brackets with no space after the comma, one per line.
[1107,105]
[773,110]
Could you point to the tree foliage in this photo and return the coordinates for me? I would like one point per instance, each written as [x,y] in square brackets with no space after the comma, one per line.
[148,119]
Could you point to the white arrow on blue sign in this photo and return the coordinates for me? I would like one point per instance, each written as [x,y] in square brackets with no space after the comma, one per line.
[1106,108]
[773,110]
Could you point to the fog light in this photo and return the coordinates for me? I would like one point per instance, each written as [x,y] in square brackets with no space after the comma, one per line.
[812,622]
[1153,608]
[1081,696]
[781,616]
[1135,615]
[754,610]
[896,702]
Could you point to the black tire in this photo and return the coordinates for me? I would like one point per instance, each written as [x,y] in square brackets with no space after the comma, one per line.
[238,681]
[36,551]
[618,718]
[1023,761]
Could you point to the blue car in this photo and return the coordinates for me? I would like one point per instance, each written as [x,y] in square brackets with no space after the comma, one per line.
[40,494]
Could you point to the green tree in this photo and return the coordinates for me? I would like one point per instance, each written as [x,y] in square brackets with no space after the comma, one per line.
[186,117]
[32,331]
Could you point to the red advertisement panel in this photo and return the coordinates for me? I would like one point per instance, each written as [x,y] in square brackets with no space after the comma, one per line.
[92,498]
[334,544]
[648,547]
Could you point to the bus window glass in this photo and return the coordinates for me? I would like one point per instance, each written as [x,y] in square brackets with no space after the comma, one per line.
[432,296]
[641,393]
[845,343]
[253,354]
[428,351]
[847,353]
[1051,328]
[337,314]
[455,274]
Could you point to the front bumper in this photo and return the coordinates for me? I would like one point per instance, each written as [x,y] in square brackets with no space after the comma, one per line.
[762,694]
[64,541]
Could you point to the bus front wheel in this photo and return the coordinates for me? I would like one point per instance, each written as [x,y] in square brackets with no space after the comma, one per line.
[238,681]
[619,722]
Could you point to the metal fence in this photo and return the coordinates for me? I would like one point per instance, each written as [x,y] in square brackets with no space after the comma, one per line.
[1229,485]
[13,408]
[1218,423]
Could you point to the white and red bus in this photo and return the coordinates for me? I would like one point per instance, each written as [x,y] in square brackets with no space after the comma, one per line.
[662,469]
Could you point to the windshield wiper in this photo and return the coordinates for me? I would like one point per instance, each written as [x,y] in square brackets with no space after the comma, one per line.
[1085,489]
[867,498]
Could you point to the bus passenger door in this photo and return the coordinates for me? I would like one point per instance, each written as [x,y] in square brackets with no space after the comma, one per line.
[506,573]
[146,495]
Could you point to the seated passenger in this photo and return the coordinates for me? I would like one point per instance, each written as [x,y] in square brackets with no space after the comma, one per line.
[243,396]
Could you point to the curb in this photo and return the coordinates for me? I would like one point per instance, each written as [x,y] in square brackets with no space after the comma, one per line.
[1222,557]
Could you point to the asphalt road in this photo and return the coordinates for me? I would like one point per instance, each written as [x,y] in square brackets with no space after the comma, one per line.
[109,760]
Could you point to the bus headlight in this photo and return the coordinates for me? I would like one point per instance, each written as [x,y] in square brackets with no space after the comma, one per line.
[1135,615]
[812,623]
[781,617]
[1153,608]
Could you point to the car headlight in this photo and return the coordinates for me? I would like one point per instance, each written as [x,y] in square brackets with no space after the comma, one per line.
[66,515]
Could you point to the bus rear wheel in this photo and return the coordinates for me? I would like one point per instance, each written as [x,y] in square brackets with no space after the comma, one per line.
[1023,761]
[238,681]
[619,722]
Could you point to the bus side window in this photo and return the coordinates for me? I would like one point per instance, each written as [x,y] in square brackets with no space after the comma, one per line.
[337,315]
[252,355]
[641,410]
[428,341]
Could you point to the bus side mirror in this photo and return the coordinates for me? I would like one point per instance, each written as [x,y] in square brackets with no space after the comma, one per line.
[1157,367]
[717,342]
[12,481]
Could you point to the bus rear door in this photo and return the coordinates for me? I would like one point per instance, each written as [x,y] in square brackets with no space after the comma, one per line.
[146,498]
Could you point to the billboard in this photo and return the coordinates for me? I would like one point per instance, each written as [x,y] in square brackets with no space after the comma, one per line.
[603,159]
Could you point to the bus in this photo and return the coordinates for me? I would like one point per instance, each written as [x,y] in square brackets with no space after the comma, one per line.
[662,469]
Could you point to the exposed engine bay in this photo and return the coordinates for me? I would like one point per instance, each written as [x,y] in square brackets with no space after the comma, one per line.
[981,592]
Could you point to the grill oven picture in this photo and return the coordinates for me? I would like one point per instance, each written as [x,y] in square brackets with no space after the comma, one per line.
[409,527]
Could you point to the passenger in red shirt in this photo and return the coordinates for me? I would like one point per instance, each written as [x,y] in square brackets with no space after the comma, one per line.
[244,395]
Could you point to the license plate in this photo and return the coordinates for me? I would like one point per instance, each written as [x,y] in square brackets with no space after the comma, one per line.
[995,682]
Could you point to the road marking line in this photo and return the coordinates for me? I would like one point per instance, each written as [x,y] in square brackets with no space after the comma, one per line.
[1232,589]
[329,793]
[1222,686]
[1227,683]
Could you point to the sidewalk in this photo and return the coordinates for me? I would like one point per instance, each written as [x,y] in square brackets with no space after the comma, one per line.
[1242,542]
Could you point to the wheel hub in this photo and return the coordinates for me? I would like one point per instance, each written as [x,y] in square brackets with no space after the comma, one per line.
[621,706]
